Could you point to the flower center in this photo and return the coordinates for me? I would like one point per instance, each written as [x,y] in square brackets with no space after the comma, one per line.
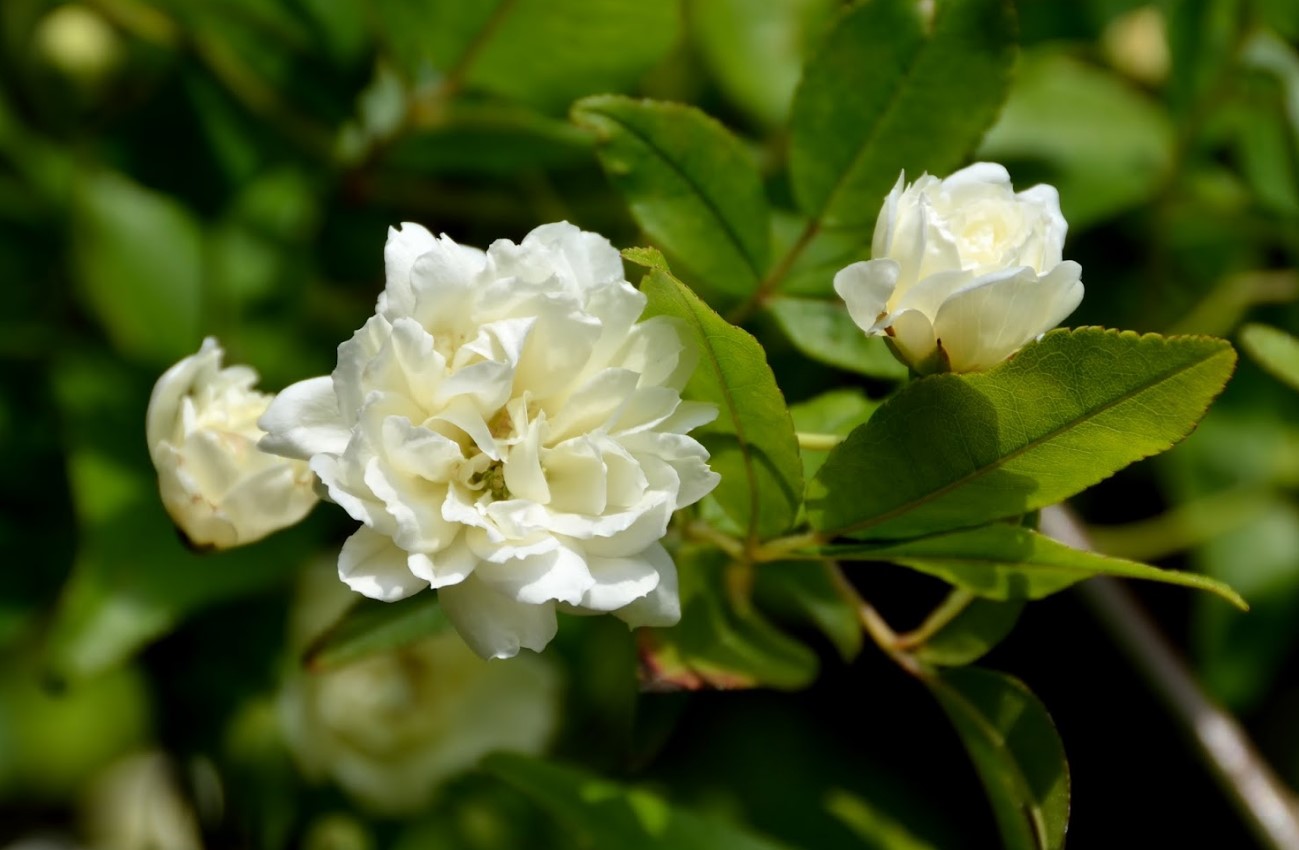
[491,479]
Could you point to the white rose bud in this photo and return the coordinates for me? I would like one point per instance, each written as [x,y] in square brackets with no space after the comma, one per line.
[220,489]
[964,271]
[507,432]
[391,728]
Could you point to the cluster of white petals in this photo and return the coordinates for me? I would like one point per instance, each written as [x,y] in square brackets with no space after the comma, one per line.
[963,271]
[220,489]
[507,432]
[391,728]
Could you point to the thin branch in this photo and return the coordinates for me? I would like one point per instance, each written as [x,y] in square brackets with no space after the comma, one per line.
[777,276]
[1259,796]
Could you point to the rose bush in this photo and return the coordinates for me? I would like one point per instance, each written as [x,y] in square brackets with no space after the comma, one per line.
[506,431]
[963,271]
[218,487]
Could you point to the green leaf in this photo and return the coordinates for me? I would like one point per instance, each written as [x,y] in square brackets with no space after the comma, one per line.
[1106,146]
[971,632]
[895,87]
[824,331]
[1275,350]
[1012,562]
[756,48]
[810,592]
[606,814]
[1016,751]
[138,257]
[691,186]
[872,823]
[719,643]
[950,451]
[370,626]
[752,442]
[543,52]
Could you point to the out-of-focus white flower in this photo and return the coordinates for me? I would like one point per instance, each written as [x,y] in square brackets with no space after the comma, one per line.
[220,489]
[508,433]
[137,804]
[1136,43]
[78,41]
[392,727]
[964,271]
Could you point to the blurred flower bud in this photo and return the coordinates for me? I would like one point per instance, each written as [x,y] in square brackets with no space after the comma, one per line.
[218,487]
[1136,43]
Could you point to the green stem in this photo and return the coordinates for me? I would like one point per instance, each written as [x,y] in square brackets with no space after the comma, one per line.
[942,616]
[818,442]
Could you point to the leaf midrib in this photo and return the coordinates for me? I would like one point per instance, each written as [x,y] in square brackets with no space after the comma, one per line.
[933,495]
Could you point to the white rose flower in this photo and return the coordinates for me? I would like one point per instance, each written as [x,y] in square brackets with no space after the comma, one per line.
[964,271]
[392,728]
[220,489]
[507,433]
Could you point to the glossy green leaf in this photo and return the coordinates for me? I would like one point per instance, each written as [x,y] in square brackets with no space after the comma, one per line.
[967,634]
[1103,144]
[950,451]
[370,626]
[1274,350]
[1002,561]
[756,48]
[606,814]
[1016,751]
[752,441]
[898,84]
[824,331]
[811,592]
[138,257]
[691,186]
[720,643]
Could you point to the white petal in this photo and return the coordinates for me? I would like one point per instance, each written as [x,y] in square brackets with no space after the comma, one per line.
[913,337]
[373,566]
[621,581]
[558,575]
[523,474]
[447,566]
[443,280]
[404,247]
[866,288]
[354,356]
[415,504]
[494,625]
[981,326]
[175,383]
[595,404]
[978,173]
[303,420]
[576,474]
[662,605]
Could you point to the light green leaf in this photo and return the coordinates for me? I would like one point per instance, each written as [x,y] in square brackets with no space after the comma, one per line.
[719,643]
[370,626]
[1275,350]
[1016,751]
[1106,146]
[872,823]
[824,331]
[970,632]
[811,592]
[752,442]
[606,814]
[950,451]
[138,258]
[691,186]
[755,48]
[1002,561]
[895,87]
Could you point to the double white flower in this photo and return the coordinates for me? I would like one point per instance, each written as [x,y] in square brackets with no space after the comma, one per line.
[218,487]
[508,433]
[964,271]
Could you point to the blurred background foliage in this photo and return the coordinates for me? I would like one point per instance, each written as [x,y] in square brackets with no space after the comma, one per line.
[171,169]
